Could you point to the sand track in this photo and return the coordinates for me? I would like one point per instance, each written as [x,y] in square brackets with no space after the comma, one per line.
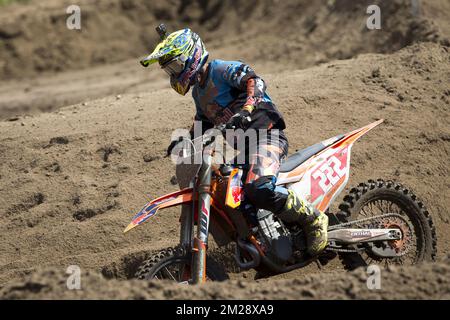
[427,281]
[70,180]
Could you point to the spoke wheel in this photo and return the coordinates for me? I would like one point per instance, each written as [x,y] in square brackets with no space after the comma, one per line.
[375,198]
[174,264]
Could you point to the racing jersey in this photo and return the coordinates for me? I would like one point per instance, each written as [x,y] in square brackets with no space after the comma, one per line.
[229,85]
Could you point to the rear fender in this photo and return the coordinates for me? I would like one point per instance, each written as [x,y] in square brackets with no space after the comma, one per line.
[351,137]
[166,201]
[321,178]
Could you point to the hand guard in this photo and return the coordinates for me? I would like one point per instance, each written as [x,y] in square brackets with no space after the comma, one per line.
[173,144]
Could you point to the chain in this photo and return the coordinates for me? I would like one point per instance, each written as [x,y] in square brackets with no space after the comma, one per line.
[344,225]
[335,249]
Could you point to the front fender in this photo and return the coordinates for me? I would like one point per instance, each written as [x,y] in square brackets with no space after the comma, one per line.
[166,201]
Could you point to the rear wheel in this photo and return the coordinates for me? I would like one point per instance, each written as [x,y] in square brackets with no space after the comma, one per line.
[175,264]
[379,197]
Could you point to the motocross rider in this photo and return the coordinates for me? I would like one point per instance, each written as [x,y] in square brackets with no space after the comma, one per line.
[230,92]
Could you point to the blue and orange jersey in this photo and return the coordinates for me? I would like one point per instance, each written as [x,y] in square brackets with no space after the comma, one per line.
[229,86]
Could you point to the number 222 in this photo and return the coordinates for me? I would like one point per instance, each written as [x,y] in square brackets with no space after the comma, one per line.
[330,171]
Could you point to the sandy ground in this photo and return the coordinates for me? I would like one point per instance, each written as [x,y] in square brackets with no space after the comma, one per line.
[427,281]
[71,179]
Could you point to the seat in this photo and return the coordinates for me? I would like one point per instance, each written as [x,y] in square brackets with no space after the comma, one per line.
[297,158]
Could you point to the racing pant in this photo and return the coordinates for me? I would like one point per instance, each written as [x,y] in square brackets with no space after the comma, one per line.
[263,164]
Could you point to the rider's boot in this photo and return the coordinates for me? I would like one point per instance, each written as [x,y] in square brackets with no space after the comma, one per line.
[313,222]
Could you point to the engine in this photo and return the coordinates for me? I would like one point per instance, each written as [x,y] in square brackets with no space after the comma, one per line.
[274,235]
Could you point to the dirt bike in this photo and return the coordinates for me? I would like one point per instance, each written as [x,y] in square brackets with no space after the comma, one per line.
[378,221]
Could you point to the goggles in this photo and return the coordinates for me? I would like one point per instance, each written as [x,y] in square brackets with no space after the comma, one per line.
[174,66]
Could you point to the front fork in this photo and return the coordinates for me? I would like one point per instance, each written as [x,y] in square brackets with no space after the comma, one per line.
[198,243]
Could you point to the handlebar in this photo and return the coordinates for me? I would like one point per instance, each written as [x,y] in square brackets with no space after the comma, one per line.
[209,137]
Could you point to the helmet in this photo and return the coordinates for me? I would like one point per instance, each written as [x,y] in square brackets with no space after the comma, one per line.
[181,55]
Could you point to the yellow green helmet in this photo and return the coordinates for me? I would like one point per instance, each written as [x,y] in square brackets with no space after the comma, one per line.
[181,54]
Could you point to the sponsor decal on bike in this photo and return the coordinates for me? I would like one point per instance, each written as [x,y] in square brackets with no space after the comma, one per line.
[329,174]
[236,193]
[204,209]
[204,221]
[360,234]
[235,190]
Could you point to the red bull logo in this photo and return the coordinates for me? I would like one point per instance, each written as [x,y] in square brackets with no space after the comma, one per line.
[236,193]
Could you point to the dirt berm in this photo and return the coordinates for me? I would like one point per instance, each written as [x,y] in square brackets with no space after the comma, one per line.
[427,281]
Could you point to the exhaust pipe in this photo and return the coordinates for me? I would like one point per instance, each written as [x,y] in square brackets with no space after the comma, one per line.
[257,259]
[251,249]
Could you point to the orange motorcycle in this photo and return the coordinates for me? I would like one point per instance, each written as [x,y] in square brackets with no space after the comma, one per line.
[379,221]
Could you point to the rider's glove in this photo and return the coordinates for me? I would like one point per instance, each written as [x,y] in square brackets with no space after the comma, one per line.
[173,144]
[240,120]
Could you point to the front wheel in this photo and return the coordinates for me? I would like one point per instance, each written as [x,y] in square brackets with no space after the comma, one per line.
[375,198]
[175,264]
